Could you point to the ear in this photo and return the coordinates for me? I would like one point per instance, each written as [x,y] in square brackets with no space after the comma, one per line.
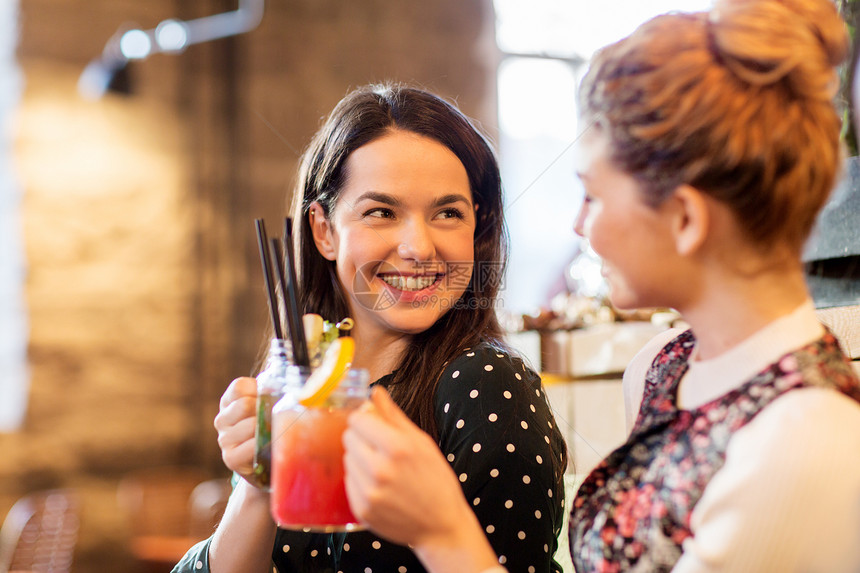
[691,219]
[322,231]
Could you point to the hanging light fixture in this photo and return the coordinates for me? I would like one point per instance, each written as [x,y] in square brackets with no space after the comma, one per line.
[171,36]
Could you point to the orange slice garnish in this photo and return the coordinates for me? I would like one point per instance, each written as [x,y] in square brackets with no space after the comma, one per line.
[325,378]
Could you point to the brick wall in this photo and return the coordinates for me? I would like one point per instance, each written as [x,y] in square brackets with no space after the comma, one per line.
[143,289]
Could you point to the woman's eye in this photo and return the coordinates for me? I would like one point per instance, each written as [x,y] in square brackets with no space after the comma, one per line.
[451,213]
[379,212]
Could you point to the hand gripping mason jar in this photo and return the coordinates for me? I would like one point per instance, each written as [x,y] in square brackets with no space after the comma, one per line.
[307,490]
[270,389]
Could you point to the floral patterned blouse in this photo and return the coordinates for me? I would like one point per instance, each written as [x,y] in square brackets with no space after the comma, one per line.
[499,435]
[633,511]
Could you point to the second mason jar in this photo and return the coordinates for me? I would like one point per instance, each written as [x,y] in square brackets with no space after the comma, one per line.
[270,388]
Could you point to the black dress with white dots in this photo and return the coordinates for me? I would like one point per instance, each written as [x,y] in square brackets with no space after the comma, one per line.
[499,435]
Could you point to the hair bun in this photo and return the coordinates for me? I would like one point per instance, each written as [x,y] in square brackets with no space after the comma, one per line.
[767,41]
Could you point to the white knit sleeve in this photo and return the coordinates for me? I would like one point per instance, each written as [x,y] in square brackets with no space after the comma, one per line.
[788,497]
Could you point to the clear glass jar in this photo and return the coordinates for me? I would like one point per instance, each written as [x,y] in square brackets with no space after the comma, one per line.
[270,388]
[307,490]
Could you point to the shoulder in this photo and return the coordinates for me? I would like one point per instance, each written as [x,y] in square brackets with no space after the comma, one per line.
[641,362]
[633,382]
[489,383]
[810,420]
[780,498]
[491,409]
[802,439]
[485,364]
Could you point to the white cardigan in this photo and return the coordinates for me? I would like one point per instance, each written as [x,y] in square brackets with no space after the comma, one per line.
[788,497]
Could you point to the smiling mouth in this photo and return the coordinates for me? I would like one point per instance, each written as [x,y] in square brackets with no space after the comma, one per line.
[411,283]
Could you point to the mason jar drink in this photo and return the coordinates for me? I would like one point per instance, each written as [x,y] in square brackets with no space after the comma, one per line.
[270,389]
[307,486]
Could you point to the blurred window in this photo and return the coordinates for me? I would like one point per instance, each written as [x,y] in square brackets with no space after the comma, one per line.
[13,330]
[546,45]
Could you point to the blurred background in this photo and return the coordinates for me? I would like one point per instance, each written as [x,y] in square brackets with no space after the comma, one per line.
[129,219]
[130,287]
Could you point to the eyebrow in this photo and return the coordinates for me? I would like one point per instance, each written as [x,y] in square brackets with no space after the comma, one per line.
[451,198]
[395,202]
[379,198]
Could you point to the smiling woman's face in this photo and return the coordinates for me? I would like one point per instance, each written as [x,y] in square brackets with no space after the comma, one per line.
[631,238]
[401,233]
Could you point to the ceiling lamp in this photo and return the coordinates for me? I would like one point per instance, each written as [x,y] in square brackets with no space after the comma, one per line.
[171,36]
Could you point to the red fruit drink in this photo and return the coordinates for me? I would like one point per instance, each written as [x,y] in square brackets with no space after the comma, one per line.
[307,485]
[307,470]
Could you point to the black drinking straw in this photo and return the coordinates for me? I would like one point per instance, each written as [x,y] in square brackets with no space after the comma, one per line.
[294,322]
[292,290]
[262,243]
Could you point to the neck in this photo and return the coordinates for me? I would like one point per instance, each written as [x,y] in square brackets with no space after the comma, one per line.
[731,309]
[379,352]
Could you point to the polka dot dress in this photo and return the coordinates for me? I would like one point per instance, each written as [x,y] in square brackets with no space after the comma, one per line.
[498,433]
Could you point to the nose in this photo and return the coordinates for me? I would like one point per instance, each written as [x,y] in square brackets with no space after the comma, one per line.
[416,242]
[579,222]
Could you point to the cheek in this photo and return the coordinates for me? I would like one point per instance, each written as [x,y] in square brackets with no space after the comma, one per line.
[607,235]
[458,254]
[357,245]
[459,249]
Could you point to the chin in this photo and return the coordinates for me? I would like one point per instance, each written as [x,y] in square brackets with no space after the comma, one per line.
[630,301]
[623,301]
[413,323]
[410,327]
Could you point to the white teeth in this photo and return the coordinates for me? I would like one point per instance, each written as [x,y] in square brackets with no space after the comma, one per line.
[409,283]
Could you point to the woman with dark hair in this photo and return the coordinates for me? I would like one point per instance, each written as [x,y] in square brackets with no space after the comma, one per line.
[401,229]
[363,117]
[713,143]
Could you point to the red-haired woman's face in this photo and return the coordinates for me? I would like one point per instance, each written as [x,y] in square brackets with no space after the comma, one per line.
[631,238]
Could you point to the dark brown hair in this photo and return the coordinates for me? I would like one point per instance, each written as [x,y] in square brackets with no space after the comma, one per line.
[361,117]
[737,102]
